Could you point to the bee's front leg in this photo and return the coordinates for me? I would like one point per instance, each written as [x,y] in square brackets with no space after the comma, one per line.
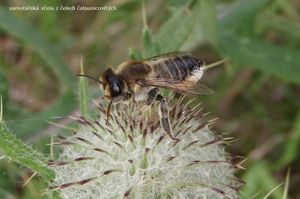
[164,116]
[108,112]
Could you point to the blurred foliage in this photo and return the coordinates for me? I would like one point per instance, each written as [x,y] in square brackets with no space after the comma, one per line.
[256,94]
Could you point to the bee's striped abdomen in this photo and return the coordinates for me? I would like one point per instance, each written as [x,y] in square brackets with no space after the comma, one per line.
[179,67]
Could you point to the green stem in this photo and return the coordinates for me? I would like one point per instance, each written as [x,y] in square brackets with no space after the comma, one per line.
[83,91]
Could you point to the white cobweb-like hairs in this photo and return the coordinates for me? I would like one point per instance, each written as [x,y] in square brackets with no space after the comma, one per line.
[132,157]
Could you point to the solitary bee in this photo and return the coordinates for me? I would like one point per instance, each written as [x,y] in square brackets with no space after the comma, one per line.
[141,80]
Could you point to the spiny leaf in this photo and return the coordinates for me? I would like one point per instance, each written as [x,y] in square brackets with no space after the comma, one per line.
[16,150]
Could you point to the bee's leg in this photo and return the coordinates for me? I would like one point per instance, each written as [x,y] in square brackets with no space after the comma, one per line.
[152,95]
[164,116]
[133,100]
[108,112]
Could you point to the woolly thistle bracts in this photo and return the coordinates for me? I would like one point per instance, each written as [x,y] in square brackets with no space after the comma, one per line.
[132,157]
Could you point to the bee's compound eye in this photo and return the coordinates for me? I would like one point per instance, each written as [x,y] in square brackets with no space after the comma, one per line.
[116,90]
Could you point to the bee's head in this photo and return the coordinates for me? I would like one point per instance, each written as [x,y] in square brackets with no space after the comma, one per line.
[115,89]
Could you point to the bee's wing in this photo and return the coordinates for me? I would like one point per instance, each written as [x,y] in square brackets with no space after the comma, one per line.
[180,86]
[202,89]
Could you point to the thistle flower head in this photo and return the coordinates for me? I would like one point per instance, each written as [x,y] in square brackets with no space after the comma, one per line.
[132,157]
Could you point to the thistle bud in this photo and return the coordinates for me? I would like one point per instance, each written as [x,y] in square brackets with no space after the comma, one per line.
[132,157]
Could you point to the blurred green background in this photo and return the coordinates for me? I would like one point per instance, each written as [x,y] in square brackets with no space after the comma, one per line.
[256,93]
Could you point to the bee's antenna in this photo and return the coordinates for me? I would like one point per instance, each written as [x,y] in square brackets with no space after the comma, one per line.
[90,77]
[215,64]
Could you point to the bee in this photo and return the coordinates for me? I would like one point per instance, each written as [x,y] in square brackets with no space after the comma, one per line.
[140,81]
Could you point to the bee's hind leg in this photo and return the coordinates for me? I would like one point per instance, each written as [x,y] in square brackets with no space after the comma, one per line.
[164,110]
[164,116]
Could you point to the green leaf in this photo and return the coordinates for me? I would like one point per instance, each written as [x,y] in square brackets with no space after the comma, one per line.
[260,181]
[32,38]
[285,25]
[134,54]
[150,47]
[1,109]
[289,9]
[208,20]
[178,2]
[19,152]
[173,33]
[258,54]
[3,88]
[291,146]
[241,11]
[62,107]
